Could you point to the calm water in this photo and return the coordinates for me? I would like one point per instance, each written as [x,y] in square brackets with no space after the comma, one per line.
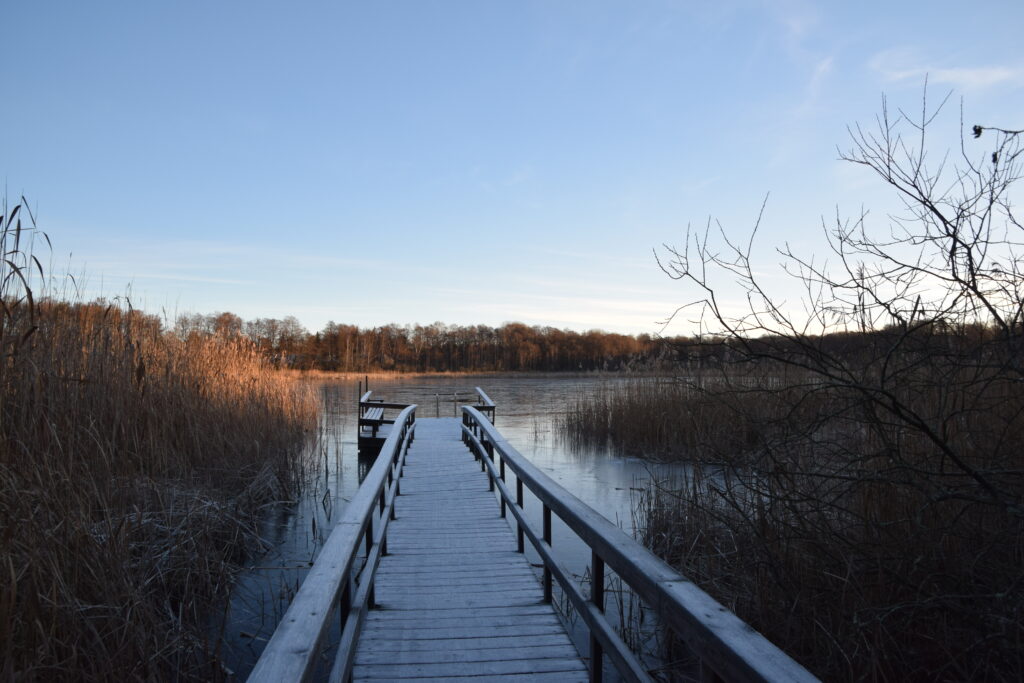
[527,408]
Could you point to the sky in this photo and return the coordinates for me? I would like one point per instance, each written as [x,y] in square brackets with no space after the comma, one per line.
[470,162]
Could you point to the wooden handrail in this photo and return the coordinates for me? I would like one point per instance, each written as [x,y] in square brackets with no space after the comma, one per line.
[382,404]
[366,402]
[726,645]
[334,580]
[486,405]
[485,400]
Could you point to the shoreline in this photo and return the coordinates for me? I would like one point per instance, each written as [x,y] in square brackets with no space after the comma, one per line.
[299,375]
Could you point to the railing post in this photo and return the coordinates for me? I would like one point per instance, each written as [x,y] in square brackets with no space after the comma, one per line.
[519,502]
[371,600]
[503,479]
[547,539]
[596,597]
[489,454]
[345,601]
[384,537]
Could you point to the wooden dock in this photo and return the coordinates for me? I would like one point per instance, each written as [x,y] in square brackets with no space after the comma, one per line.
[428,582]
[453,596]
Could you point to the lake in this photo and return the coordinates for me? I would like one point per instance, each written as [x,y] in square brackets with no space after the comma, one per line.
[527,411]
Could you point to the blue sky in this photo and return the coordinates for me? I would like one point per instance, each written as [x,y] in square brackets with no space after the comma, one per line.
[468,162]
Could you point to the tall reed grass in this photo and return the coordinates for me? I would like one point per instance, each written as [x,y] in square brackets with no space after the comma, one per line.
[668,418]
[845,538]
[133,465]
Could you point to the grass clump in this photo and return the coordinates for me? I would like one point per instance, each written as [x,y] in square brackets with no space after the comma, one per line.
[133,464]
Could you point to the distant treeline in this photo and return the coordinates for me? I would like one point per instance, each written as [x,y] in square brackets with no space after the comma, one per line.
[515,347]
[434,348]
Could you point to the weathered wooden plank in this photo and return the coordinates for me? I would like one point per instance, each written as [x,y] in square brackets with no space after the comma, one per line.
[390,584]
[484,556]
[495,543]
[467,580]
[447,595]
[484,553]
[478,625]
[461,644]
[423,530]
[498,574]
[437,656]
[499,667]
[555,677]
[470,584]
[411,570]
[478,600]
[462,547]
[455,632]
[497,613]
[414,526]
[443,612]
[467,510]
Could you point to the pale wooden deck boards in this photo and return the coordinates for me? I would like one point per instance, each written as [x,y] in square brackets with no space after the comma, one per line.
[454,598]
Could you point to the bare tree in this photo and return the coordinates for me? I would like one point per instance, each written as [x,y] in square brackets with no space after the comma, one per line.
[884,480]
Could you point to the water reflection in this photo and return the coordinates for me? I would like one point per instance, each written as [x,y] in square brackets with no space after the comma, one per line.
[527,412]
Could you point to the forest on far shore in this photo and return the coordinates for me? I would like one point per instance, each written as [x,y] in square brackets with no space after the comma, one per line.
[512,347]
[516,347]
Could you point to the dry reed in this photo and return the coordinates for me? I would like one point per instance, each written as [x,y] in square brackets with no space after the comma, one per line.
[665,419]
[132,467]
[846,538]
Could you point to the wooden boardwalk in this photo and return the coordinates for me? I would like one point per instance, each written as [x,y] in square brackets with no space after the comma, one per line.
[430,583]
[453,597]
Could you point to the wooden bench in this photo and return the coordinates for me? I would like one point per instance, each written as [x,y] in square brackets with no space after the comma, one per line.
[372,418]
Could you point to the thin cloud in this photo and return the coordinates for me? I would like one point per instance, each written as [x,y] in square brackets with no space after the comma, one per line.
[900,66]
[178,277]
[812,91]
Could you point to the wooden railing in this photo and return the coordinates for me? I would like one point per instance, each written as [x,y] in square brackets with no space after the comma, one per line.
[337,579]
[484,404]
[727,647]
